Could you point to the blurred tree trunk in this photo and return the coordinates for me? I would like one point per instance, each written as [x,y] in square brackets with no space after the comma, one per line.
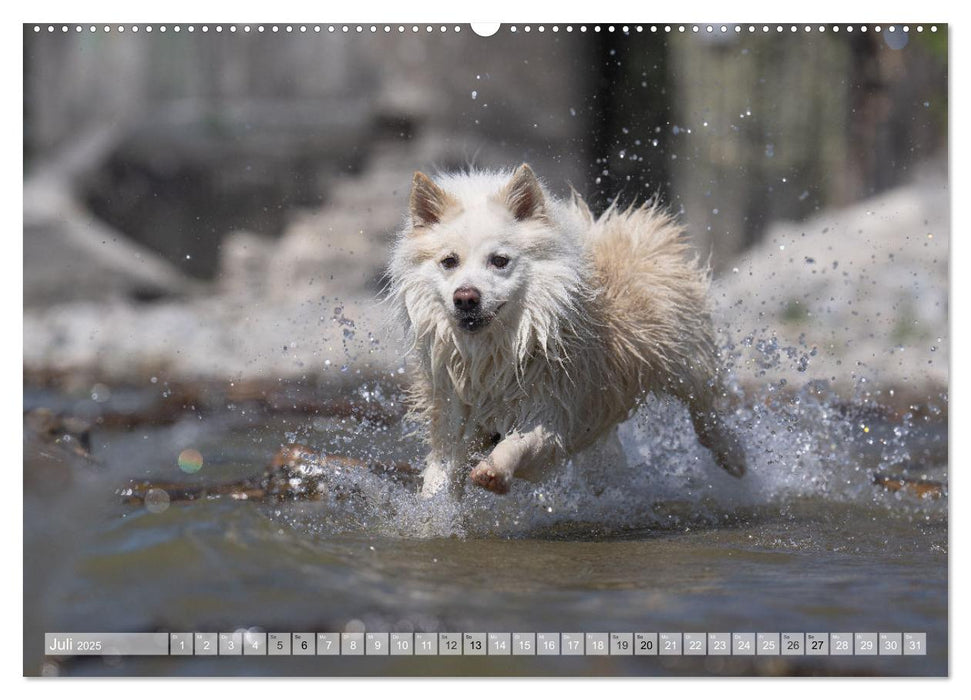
[778,126]
[763,134]
[631,110]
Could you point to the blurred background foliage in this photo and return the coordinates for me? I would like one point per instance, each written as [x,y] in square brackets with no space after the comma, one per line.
[215,132]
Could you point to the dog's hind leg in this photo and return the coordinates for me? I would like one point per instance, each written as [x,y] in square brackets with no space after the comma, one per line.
[712,432]
[696,383]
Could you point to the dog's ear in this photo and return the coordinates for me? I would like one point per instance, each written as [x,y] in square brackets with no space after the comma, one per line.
[523,195]
[580,205]
[428,201]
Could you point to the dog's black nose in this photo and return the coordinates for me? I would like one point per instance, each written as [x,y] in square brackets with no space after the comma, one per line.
[466,299]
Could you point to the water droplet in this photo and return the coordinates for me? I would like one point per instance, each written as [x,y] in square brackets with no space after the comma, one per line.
[156,501]
[354,626]
[190,461]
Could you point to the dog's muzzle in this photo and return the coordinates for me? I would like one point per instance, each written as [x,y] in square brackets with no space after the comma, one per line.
[472,322]
[468,309]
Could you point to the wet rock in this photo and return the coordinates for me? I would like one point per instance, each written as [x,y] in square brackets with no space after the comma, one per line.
[182,178]
[69,431]
[57,449]
[70,255]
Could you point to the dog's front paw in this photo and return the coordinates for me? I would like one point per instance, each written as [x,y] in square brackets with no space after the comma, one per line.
[489,477]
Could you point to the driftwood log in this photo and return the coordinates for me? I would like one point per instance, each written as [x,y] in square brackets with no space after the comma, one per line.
[922,488]
[296,473]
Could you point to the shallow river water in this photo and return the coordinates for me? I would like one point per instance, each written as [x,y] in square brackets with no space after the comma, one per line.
[804,543]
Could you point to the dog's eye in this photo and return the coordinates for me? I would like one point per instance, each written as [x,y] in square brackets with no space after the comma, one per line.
[499,261]
[450,261]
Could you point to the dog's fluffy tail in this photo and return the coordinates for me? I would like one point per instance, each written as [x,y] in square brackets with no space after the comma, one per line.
[654,306]
[654,294]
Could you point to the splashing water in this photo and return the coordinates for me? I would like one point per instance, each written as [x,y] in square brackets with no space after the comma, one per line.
[808,448]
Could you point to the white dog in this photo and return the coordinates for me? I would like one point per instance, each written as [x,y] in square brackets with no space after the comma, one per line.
[536,328]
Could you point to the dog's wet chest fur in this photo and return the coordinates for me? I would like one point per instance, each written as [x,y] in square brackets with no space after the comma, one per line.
[494,411]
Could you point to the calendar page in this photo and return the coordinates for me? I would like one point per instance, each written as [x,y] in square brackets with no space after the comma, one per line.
[520,349]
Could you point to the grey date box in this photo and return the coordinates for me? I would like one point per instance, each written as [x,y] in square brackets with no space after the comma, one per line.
[817,643]
[571,644]
[328,644]
[475,644]
[524,643]
[278,643]
[891,644]
[743,644]
[352,644]
[426,644]
[548,643]
[719,644]
[180,644]
[915,643]
[841,643]
[669,643]
[206,643]
[645,644]
[450,644]
[865,643]
[230,643]
[793,643]
[303,644]
[597,643]
[695,644]
[767,643]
